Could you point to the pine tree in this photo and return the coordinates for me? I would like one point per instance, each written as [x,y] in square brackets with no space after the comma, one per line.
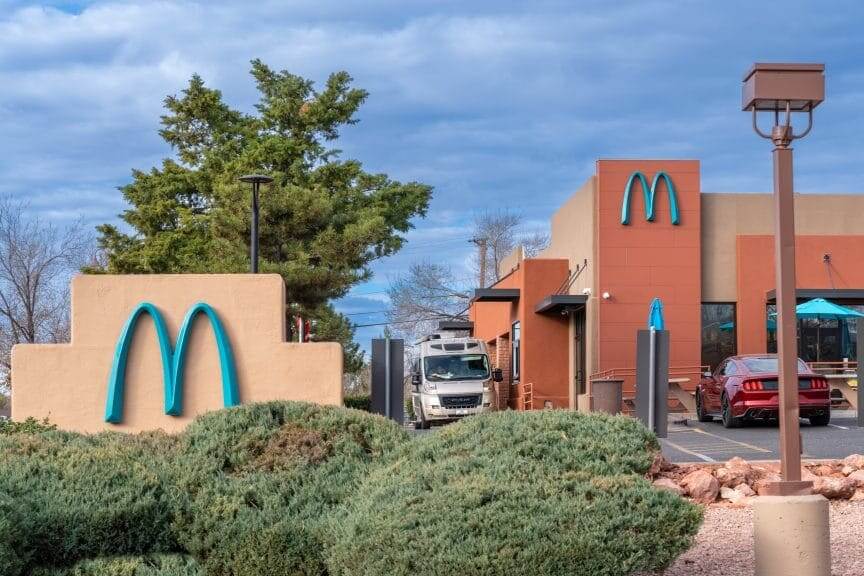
[322,221]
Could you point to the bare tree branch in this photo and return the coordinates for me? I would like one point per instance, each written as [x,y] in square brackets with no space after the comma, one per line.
[37,260]
[432,290]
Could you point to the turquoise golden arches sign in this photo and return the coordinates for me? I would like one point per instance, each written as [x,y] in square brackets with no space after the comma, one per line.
[172,360]
[649,195]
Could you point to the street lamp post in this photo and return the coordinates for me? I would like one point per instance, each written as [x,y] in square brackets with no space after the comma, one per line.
[791,529]
[256,180]
[784,89]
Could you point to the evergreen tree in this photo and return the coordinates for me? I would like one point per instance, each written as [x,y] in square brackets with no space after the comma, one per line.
[322,221]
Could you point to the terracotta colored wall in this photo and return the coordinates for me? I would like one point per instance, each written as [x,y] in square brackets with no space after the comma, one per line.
[544,352]
[491,319]
[68,383]
[727,216]
[545,343]
[755,277]
[643,260]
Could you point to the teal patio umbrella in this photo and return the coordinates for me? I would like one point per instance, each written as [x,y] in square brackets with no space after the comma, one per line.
[655,315]
[821,309]
[770,324]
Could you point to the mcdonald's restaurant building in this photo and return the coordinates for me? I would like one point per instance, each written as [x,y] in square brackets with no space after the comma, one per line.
[644,229]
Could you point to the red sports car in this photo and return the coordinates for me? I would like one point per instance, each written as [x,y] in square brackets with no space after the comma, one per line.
[745,388]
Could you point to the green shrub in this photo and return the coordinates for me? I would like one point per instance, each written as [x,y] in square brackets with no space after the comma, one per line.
[359,402]
[260,480]
[73,497]
[128,566]
[28,426]
[539,493]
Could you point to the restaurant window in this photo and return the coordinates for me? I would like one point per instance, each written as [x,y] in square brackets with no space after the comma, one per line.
[515,338]
[821,339]
[718,333]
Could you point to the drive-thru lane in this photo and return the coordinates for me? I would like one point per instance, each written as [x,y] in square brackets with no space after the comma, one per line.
[711,442]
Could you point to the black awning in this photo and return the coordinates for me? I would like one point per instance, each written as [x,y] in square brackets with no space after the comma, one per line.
[454,325]
[558,303]
[496,295]
[827,293]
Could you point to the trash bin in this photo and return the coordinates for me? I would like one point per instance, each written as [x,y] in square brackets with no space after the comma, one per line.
[607,395]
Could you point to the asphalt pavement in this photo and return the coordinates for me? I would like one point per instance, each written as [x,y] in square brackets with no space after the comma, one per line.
[710,442]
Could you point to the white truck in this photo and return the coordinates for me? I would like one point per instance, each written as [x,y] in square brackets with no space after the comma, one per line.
[450,379]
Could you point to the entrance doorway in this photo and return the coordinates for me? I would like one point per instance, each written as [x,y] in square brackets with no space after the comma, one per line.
[579,360]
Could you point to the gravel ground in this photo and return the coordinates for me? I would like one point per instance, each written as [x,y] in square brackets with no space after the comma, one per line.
[724,544]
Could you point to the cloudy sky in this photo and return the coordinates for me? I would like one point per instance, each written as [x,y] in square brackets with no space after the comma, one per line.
[491,102]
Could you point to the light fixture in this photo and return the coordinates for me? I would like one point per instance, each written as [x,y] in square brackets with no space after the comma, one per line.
[606,295]
[782,90]
[256,180]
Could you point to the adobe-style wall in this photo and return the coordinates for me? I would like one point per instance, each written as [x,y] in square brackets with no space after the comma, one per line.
[545,345]
[643,260]
[727,216]
[68,383]
[755,277]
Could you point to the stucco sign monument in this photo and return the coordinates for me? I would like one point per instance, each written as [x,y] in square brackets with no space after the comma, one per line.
[154,351]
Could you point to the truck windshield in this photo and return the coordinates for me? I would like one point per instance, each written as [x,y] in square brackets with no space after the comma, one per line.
[456,367]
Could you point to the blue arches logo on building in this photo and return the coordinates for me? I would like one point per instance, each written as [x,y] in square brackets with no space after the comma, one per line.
[649,194]
[172,360]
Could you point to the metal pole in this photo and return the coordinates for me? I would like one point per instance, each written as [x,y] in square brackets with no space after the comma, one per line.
[787,338]
[254,240]
[387,377]
[652,376]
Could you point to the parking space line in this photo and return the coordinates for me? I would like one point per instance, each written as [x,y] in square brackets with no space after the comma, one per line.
[680,448]
[838,426]
[746,445]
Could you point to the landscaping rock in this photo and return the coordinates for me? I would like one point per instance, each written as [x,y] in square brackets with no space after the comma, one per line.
[858,478]
[658,465]
[668,484]
[823,470]
[761,485]
[807,475]
[745,489]
[858,496]
[731,494]
[701,486]
[834,488]
[847,470]
[855,461]
[730,477]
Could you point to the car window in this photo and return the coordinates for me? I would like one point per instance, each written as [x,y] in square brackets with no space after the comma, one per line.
[730,369]
[768,364]
[720,368]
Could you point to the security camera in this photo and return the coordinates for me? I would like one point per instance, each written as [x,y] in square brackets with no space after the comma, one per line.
[586,291]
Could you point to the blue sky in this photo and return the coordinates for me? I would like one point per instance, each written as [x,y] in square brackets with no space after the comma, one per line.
[491,102]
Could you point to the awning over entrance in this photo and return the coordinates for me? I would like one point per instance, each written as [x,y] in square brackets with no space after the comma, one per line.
[827,293]
[496,295]
[454,325]
[560,303]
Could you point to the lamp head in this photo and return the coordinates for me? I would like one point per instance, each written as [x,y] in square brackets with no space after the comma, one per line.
[256,179]
[771,86]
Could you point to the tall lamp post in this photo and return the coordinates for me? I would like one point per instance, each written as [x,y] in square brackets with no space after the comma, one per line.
[256,180]
[791,534]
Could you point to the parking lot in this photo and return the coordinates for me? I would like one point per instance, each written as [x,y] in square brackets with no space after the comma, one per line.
[711,442]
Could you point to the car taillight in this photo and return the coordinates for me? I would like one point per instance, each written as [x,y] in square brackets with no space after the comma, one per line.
[752,385]
[819,384]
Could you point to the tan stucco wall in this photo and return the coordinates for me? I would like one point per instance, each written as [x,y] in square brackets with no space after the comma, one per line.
[727,216]
[573,236]
[68,383]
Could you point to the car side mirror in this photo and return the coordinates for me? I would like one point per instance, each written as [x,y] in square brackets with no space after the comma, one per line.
[497,375]
[415,380]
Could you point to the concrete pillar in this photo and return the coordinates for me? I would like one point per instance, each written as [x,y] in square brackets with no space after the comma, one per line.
[791,536]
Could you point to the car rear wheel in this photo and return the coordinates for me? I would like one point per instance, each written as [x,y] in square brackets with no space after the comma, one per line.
[821,420]
[701,415]
[729,421]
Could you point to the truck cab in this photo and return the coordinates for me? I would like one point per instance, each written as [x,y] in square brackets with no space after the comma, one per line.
[451,378]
